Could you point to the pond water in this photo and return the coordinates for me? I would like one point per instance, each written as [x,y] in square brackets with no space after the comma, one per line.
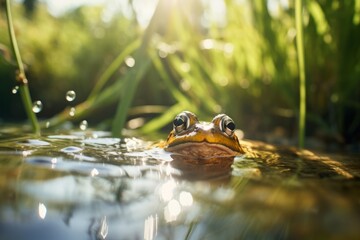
[88,185]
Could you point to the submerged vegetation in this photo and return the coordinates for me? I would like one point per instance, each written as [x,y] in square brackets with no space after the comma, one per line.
[238,57]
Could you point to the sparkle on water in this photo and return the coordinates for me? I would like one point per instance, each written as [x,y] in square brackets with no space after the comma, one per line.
[89,185]
[37,106]
[70,95]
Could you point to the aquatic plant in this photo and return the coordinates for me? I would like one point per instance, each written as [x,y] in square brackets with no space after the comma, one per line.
[21,79]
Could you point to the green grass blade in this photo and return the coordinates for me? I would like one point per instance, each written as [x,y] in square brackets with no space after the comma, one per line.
[142,62]
[113,67]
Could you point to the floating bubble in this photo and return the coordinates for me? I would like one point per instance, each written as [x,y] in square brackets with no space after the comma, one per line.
[83,125]
[15,90]
[130,62]
[70,95]
[72,112]
[37,106]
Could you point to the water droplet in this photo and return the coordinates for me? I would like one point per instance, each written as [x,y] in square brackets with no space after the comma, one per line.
[70,95]
[37,106]
[72,112]
[15,89]
[130,61]
[47,125]
[83,125]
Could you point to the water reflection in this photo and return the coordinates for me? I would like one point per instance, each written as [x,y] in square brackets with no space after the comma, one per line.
[104,229]
[150,227]
[203,169]
[118,190]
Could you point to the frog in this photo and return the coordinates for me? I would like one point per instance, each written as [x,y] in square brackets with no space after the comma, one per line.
[203,140]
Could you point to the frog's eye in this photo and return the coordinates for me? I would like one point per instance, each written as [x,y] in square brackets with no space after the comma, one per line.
[227,125]
[181,122]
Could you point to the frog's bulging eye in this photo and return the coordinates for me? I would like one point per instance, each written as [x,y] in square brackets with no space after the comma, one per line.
[181,122]
[227,125]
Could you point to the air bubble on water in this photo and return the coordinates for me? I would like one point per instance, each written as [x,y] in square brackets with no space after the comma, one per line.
[37,106]
[70,95]
[83,125]
[72,112]
[130,62]
[15,90]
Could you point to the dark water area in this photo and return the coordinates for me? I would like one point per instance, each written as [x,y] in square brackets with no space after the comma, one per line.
[88,185]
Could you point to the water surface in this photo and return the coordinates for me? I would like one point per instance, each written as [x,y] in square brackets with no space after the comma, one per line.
[88,185]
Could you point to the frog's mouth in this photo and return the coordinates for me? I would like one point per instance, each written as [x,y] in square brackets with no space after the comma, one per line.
[202,150]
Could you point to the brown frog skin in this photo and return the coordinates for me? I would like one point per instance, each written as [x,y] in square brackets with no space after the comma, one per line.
[203,140]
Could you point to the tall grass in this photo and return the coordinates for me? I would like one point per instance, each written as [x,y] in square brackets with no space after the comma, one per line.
[250,66]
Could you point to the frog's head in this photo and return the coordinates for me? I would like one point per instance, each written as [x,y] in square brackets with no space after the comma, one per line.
[193,138]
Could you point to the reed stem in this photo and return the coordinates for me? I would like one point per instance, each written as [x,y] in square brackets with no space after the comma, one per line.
[20,75]
[301,64]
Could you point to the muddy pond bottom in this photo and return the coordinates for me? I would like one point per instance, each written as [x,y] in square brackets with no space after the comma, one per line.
[88,185]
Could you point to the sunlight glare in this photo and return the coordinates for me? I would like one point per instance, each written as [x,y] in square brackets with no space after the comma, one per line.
[42,210]
[104,229]
[166,191]
[186,199]
[94,172]
[172,210]
[150,228]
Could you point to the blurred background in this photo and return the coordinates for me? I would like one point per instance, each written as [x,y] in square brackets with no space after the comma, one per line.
[206,56]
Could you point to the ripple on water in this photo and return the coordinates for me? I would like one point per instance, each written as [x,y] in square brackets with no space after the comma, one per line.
[101,141]
[87,168]
[42,160]
[34,142]
[68,137]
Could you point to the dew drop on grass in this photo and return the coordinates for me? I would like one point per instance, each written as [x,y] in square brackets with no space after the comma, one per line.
[37,106]
[15,90]
[72,112]
[83,125]
[70,95]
